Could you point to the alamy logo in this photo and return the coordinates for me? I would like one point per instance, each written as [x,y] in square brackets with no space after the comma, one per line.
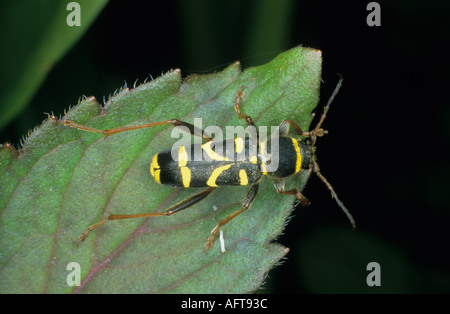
[73,278]
[74,17]
[374,17]
[374,277]
[240,144]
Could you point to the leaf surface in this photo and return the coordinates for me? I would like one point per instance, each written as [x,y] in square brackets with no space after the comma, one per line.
[65,179]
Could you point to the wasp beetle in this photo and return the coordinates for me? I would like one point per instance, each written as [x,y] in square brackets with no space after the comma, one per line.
[295,154]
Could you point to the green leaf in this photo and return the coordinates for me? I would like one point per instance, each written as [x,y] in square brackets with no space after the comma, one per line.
[64,180]
[40,36]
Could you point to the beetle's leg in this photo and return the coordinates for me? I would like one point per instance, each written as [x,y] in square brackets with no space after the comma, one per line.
[170,211]
[193,130]
[237,107]
[279,186]
[249,198]
[284,128]
[248,119]
[303,200]
[317,131]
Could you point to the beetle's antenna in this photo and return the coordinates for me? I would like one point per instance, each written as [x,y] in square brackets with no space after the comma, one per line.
[334,195]
[320,132]
[330,100]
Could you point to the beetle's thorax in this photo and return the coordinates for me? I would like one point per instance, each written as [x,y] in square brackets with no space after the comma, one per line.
[284,156]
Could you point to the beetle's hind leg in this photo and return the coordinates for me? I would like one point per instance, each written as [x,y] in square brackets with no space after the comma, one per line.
[249,198]
[170,211]
[192,129]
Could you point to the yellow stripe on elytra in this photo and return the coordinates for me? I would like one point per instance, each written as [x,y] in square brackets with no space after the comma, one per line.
[185,176]
[157,176]
[215,174]
[154,168]
[243,177]
[182,156]
[298,162]
[212,154]
[239,144]
[182,162]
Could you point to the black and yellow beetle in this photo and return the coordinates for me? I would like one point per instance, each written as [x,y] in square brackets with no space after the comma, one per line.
[215,169]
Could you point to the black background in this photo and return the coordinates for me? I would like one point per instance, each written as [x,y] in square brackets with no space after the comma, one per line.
[387,152]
